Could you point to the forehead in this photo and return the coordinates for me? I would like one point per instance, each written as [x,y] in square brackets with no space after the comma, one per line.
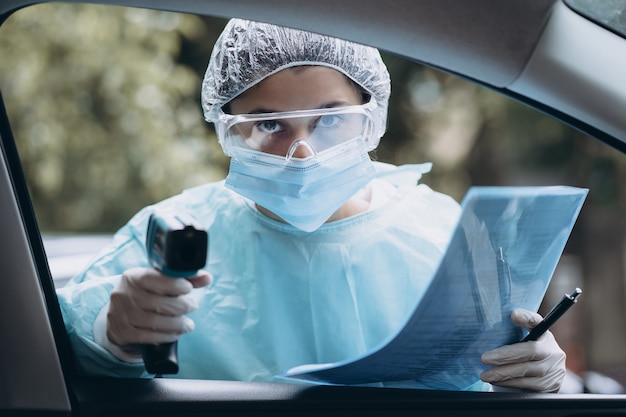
[298,88]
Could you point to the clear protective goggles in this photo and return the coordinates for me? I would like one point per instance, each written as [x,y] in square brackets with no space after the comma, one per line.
[298,133]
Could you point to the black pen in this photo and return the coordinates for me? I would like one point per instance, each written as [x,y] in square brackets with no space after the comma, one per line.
[557,311]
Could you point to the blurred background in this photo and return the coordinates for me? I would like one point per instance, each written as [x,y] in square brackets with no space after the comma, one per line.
[104,103]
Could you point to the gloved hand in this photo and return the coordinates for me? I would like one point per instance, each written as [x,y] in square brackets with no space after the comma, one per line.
[537,366]
[148,307]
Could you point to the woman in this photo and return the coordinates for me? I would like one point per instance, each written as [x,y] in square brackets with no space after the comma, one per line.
[317,253]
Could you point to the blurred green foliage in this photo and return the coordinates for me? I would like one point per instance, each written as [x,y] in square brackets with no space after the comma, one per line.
[104,103]
[105,115]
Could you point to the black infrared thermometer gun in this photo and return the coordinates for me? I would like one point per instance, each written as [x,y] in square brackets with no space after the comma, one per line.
[177,246]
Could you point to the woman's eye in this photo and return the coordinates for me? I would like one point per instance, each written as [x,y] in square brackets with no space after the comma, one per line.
[330,120]
[269,126]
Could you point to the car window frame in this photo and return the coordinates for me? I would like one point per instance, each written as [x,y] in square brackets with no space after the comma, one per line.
[92,396]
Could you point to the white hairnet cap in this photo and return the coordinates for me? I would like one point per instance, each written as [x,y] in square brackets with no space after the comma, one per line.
[248,52]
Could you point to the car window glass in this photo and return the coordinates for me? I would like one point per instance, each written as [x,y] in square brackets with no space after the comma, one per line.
[609,13]
[104,105]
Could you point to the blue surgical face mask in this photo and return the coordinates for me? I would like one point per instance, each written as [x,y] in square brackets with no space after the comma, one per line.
[303,192]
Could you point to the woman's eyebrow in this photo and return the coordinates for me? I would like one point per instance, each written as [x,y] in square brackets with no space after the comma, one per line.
[261,111]
[335,104]
[330,105]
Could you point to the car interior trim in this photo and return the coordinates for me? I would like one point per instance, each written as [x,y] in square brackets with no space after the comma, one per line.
[26,321]
[548,77]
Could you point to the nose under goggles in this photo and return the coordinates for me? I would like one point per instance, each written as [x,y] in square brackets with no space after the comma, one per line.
[299,133]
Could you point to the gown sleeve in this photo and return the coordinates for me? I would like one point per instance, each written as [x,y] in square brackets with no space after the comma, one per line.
[87,294]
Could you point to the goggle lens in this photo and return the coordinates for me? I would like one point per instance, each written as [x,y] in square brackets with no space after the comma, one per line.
[295,134]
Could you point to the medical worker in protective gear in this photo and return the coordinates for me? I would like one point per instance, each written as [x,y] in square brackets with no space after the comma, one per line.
[317,254]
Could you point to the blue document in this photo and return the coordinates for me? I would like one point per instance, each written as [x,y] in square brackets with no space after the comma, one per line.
[501,256]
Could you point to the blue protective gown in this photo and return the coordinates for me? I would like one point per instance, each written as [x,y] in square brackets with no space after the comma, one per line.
[280,297]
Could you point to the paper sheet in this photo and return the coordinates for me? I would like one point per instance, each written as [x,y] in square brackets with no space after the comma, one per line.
[502,255]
